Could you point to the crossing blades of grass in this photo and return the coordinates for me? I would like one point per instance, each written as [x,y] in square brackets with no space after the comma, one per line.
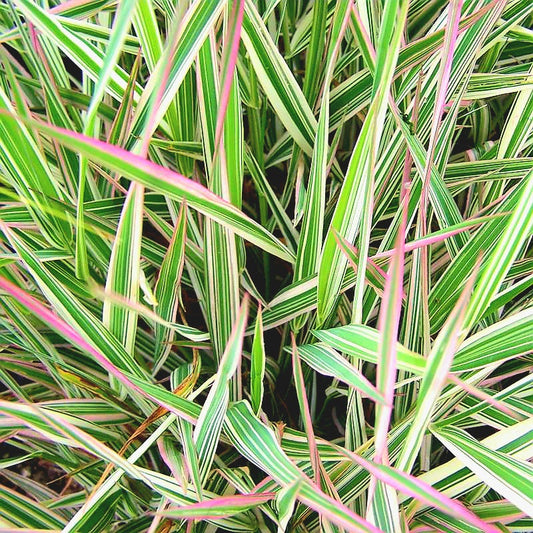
[510,477]
[329,363]
[167,288]
[120,30]
[124,270]
[219,507]
[350,206]
[237,244]
[517,231]
[209,425]
[420,491]
[259,444]
[437,367]
[171,183]
[310,243]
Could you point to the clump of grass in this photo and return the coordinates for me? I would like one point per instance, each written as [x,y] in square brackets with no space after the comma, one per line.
[266,266]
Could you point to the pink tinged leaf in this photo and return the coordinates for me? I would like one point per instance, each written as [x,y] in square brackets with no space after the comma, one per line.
[304,411]
[345,245]
[219,507]
[452,32]
[464,24]
[351,253]
[234,30]
[490,382]
[450,38]
[364,33]
[71,334]
[132,164]
[419,490]
[453,333]
[29,530]
[133,160]
[388,324]
[511,516]
[69,4]
[176,472]
[483,396]
[439,362]
[260,485]
[440,237]
[328,483]
[345,518]
[151,125]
